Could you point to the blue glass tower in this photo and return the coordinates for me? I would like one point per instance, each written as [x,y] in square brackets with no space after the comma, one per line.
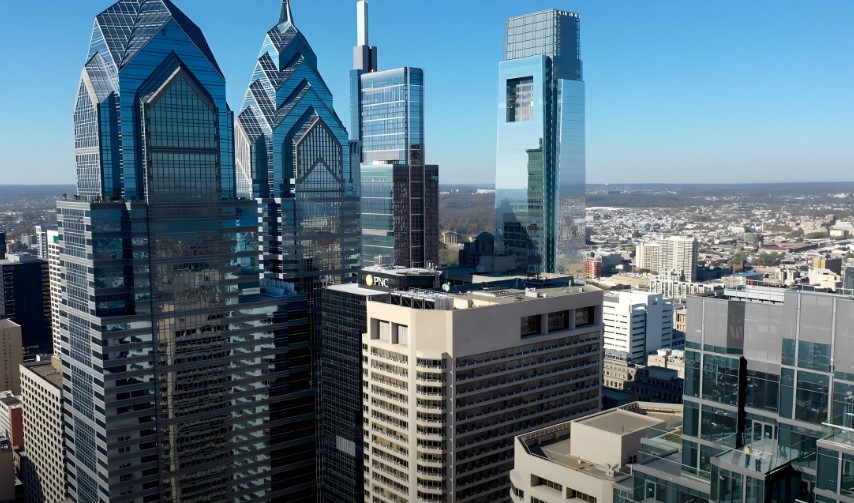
[400,194]
[294,149]
[186,373]
[540,172]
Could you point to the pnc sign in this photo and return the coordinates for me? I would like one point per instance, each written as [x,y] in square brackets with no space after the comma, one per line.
[372,280]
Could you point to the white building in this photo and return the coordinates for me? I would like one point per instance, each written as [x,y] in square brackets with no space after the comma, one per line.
[41,394]
[672,255]
[450,379]
[55,276]
[636,324]
[581,460]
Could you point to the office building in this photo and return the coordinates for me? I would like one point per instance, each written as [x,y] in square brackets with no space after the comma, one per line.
[344,316]
[848,279]
[43,467]
[42,240]
[55,283]
[11,355]
[581,460]
[189,378]
[450,379]
[636,324]
[25,299]
[644,383]
[2,245]
[293,151]
[673,256]
[11,419]
[400,194]
[540,170]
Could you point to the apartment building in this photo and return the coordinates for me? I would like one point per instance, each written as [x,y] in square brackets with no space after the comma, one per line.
[636,324]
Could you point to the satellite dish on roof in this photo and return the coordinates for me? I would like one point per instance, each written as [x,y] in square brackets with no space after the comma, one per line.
[446,287]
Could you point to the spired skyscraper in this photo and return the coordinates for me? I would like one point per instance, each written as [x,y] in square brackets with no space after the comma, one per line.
[292,154]
[540,172]
[400,194]
[182,367]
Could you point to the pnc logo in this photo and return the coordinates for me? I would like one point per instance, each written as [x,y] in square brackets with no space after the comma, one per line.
[372,280]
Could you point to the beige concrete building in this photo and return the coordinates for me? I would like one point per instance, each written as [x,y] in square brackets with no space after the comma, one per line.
[581,460]
[450,379]
[11,355]
[43,471]
[674,255]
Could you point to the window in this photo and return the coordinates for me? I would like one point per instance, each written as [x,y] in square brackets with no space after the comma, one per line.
[520,99]
[584,317]
[558,321]
[539,481]
[530,325]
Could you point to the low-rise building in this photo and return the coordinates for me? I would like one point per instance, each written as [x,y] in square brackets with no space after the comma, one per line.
[581,460]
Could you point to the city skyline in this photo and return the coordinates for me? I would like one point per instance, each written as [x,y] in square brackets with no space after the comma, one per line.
[672,91]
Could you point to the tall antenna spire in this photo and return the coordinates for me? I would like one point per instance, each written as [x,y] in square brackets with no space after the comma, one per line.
[286,15]
[362,22]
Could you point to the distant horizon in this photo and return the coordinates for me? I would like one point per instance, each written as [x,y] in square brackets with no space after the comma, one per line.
[674,94]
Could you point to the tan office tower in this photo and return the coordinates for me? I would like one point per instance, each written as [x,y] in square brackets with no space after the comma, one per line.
[450,379]
[44,466]
[11,355]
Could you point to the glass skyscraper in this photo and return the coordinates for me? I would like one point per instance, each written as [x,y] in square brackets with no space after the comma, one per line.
[293,150]
[187,376]
[540,172]
[400,194]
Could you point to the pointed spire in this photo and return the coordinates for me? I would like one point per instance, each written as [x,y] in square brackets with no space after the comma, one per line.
[286,16]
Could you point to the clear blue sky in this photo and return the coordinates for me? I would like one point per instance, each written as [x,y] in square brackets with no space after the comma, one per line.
[679,91]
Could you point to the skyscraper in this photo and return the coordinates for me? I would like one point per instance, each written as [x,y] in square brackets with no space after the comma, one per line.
[187,375]
[25,299]
[293,157]
[540,172]
[292,149]
[400,194]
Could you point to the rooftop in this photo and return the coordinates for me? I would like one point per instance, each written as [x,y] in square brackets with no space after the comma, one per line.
[619,421]
[47,370]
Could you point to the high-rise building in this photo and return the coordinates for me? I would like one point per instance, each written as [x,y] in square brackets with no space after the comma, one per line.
[450,379]
[12,419]
[636,324]
[400,194]
[344,318]
[674,256]
[2,245]
[43,467]
[55,283]
[42,240]
[188,377]
[768,403]
[25,299]
[540,170]
[11,355]
[293,151]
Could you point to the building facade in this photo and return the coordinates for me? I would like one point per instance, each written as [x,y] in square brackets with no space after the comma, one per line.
[344,319]
[189,378]
[636,324]
[450,379]
[55,282]
[400,193]
[11,355]
[540,158]
[293,156]
[43,467]
[25,299]
[581,460]
[674,257]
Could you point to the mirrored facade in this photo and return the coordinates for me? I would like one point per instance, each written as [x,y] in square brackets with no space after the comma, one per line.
[400,194]
[185,370]
[540,170]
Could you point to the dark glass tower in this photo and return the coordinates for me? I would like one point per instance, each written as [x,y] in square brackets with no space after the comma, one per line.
[25,299]
[183,369]
[400,194]
[540,173]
